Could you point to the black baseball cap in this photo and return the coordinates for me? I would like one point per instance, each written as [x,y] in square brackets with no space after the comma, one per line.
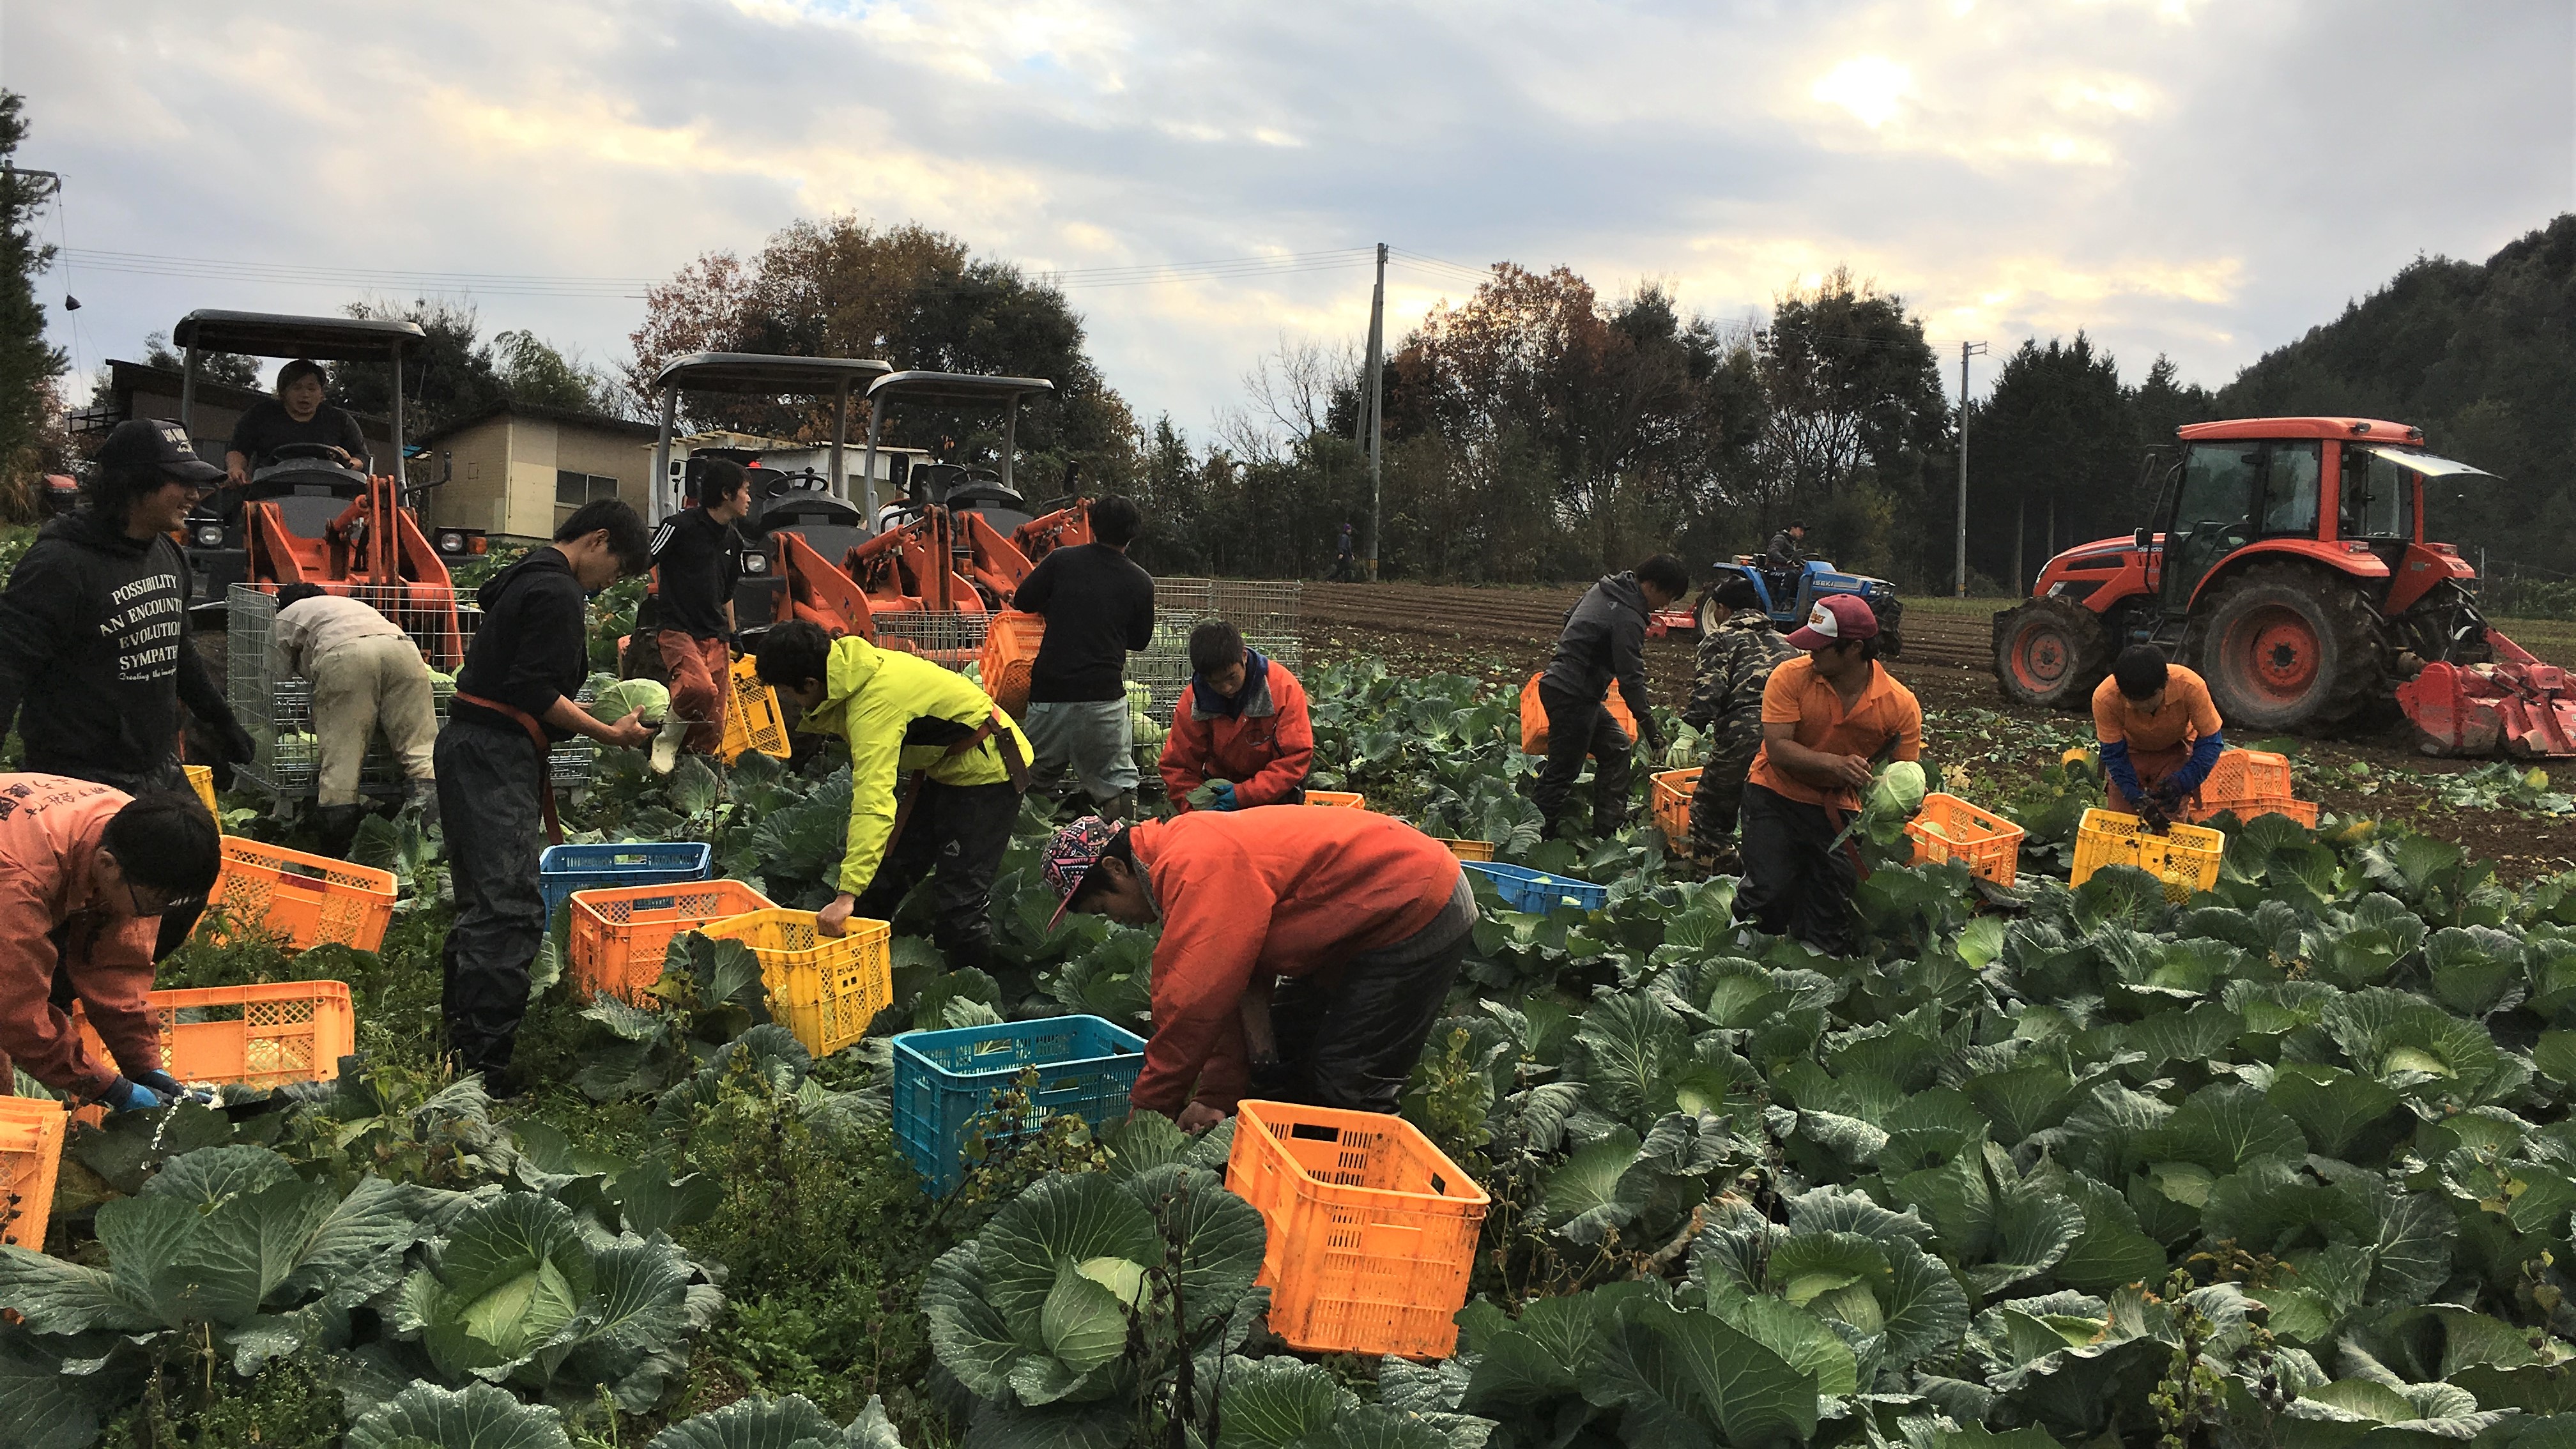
[139,443]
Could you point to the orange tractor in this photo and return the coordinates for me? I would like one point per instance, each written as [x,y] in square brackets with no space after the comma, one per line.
[924,570]
[2292,572]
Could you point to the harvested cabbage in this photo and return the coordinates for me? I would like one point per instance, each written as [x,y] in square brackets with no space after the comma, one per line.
[617,701]
[1898,790]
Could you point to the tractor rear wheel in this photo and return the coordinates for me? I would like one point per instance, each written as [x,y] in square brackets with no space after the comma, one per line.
[2285,647]
[2050,653]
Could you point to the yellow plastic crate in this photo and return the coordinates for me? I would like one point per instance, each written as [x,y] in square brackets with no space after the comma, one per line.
[1468,849]
[2185,857]
[824,989]
[752,719]
[202,779]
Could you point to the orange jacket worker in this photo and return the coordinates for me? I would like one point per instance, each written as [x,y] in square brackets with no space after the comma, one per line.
[1827,721]
[86,872]
[1242,723]
[1306,950]
[2159,731]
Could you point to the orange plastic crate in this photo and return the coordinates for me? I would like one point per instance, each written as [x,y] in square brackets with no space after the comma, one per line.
[260,1036]
[1011,642]
[1672,801]
[1348,799]
[311,900]
[31,1153]
[620,933]
[1372,1230]
[1986,843]
[1468,849]
[752,720]
[2247,775]
[201,778]
[2302,811]
[825,989]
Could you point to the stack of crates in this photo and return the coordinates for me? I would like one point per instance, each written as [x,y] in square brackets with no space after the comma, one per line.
[2184,857]
[825,989]
[1371,1230]
[620,935]
[943,1080]
[261,1036]
[2251,783]
[310,900]
[1949,828]
[1672,801]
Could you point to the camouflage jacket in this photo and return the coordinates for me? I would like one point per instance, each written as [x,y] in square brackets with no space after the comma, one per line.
[1733,664]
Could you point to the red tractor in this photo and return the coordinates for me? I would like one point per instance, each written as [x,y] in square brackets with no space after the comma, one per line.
[2291,571]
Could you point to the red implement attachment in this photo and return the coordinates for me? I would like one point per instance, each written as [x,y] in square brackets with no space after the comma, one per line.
[2517,705]
[1663,622]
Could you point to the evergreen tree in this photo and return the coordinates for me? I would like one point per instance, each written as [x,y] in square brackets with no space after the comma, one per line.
[28,364]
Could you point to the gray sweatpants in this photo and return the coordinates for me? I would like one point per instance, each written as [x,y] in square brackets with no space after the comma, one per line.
[488,801]
[1094,736]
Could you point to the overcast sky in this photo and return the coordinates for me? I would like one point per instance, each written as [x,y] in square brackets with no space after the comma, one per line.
[2202,179]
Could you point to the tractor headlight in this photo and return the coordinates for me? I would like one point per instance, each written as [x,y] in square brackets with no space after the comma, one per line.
[210,535]
[451,543]
[755,563]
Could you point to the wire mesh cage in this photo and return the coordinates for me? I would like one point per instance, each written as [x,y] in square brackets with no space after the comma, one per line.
[951,640]
[1268,612]
[276,706]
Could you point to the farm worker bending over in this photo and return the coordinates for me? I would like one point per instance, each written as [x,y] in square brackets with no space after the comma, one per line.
[367,674]
[697,558]
[1098,606]
[936,775]
[86,872]
[1242,723]
[1306,950]
[297,415]
[1604,640]
[95,660]
[514,702]
[1827,720]
[1738,649]
[2159,731]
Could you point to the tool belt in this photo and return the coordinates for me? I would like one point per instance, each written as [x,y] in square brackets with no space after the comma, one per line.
[545,749]
[1013,762]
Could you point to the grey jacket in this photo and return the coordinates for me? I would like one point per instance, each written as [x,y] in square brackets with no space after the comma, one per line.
[1604,639]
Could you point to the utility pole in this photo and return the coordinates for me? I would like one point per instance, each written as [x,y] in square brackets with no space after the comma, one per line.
[1375,406]
[1966,351]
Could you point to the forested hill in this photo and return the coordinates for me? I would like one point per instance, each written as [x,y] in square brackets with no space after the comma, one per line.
[2483,358]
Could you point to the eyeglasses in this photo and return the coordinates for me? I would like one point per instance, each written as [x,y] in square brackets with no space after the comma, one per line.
[134,894]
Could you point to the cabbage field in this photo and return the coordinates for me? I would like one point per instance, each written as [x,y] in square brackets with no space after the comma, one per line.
[2287,1162]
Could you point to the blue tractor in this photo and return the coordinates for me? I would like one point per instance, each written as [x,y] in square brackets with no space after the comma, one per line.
[1788,598]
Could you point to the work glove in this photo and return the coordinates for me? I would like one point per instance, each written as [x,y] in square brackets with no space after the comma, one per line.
[2154,814]
[169,1088]
[1270,1075]
[1225,796]
[124,1095]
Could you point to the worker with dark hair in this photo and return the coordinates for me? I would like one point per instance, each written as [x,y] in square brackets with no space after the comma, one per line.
[1241,727]
[2159,730]
[1345,557]
[86,874]
[1604,640]
[514,702]
[367,675]
[95,659]
[697,557]
[296,415]
[936,775]
[1828,720]
[1783,561]
[1098,606]
[1306,951]
[1738,649]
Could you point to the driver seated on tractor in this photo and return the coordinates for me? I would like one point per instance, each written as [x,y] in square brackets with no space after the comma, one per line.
[1241,725]
[2159,732]
[1783,561]
[296,416]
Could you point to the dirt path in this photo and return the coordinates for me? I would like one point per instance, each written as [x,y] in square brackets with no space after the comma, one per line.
[1509,632]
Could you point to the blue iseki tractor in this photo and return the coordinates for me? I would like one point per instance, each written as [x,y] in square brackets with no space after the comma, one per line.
[1789,597]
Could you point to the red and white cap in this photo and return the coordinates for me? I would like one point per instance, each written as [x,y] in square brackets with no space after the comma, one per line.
[1835,618]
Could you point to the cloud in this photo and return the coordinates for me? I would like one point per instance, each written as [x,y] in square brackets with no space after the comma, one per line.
[2192,178]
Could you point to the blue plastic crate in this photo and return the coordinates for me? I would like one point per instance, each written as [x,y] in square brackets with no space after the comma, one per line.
[1524,889]
[942,1079]
[564,869]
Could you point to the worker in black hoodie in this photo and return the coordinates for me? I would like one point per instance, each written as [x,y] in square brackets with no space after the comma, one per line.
[95,661]
[1604,640]
[514,702]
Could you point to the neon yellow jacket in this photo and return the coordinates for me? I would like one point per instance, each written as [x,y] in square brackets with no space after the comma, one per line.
[872,697]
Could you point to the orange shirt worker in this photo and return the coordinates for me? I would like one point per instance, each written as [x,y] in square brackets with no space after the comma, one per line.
[1827,719]
[2159,730]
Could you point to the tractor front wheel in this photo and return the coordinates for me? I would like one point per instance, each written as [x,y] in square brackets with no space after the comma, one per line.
[2288,648]
[2050,653]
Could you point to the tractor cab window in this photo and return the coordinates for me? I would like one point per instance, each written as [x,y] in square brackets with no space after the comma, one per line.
[2290,475]
[2213,513]
[2378,497]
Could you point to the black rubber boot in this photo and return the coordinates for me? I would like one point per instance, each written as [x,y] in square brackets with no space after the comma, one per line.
[338,827]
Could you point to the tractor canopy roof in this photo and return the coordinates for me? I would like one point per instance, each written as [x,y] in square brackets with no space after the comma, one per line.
[2369,429]
[955,387]
[767,374]
[269,334]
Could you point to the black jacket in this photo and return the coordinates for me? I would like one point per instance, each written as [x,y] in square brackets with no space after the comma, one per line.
[532,647]
[1783,555]
[1099,604]
[95,660]
[1605,639]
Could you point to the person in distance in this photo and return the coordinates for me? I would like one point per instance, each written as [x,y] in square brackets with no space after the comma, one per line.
[1604,642]
[1242,723]
[1737,651]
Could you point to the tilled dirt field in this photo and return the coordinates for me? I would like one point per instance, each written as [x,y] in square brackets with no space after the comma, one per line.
[1509,632]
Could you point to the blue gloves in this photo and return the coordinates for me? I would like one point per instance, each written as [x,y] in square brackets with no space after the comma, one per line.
[1225,796]
[170,1089]
[128,1096]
